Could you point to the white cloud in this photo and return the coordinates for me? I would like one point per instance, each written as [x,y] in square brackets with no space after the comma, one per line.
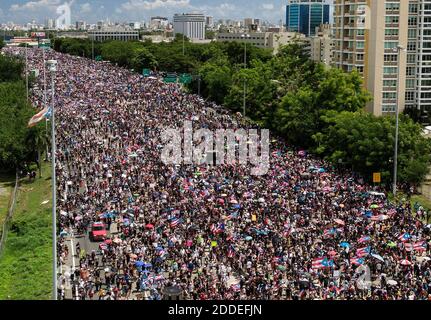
[268,6]
[85,8]
[133,5]
[35,5]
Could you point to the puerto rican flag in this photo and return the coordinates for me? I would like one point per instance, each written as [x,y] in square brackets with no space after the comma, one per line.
[357,261]
[391,212]
[236,287]
[364,239]
[332,231]
[39,117]
[320,263]
[231,252]
[160,251]
[175,222]
[159,277]
[362,252]
[417,246]
[404,237]
[216,229]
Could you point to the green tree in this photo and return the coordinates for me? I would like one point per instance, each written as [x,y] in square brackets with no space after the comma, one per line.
[143,58]
[11,69]
[216,77]
[119,52]
[365,143]
[15,113]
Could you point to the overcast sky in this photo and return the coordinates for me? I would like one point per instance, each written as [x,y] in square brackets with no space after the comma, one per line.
[21,11]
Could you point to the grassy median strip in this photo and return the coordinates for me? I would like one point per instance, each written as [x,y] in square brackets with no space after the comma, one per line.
[7,183]
[25,264]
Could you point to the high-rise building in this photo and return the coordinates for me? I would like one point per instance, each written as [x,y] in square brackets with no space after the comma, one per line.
[322,45]
[50,24]
[159,22]
[192,25]
[81,25]
[367,34]
[209,22]
[248,22]
[305,15]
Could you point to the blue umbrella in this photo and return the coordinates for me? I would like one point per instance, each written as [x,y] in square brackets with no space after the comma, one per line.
[139,263]
[345,244]
[248,238]
[236,206]
[147,265]
[321,170]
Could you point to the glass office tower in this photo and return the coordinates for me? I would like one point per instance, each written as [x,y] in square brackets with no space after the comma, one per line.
[305,15]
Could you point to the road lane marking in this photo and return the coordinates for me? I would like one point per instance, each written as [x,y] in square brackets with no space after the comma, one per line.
[73,260]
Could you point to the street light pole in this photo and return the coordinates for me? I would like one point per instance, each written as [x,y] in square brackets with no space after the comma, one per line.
[92,47]
[399,50]
[52,64]
[26,69]
[44,98]
[245,36]
[199,85]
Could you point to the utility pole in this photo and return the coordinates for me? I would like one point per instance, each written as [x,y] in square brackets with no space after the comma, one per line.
[52,64]
[26,69]
[44,99]
[245,36]
[397,112]
[199,84]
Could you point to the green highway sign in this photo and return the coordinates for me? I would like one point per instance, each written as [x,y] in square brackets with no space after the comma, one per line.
[170,80]
[146,72]
[186,78]
[99,58]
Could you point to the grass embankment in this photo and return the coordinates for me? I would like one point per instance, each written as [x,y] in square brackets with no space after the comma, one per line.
[421,200]
[25,264]
[7,183]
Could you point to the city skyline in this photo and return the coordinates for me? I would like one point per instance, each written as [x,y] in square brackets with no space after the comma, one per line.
[24,11]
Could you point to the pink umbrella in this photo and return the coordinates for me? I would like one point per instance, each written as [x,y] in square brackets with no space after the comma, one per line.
[405,262]
[339,221]
[149,226]
[332,253]
[108,241]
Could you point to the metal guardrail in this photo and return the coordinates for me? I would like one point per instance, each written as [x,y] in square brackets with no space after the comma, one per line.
[12,203]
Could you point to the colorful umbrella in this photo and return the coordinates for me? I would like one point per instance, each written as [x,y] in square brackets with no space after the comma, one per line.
[340,222]
[405,262]
[391,244]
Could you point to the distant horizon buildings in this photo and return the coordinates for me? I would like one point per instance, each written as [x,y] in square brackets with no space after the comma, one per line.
[191,25]
[304,16]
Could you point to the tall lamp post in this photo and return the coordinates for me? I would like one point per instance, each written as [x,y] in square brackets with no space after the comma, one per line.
[245,37]
[52,67]
[398,49]
[44,98]
[26,69]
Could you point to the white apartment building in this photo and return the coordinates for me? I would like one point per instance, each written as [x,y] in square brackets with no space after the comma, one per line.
[192,25]
[272,40]
[367,33]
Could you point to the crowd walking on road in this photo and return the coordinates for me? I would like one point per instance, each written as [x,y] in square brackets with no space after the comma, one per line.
[305,230]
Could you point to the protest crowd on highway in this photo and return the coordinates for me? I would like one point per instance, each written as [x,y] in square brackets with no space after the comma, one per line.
[305,230]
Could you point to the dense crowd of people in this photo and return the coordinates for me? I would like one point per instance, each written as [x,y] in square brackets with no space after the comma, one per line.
[305,230]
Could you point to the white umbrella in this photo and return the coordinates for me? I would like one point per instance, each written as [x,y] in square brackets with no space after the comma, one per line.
[261,200]
[378,257]
[392,282]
